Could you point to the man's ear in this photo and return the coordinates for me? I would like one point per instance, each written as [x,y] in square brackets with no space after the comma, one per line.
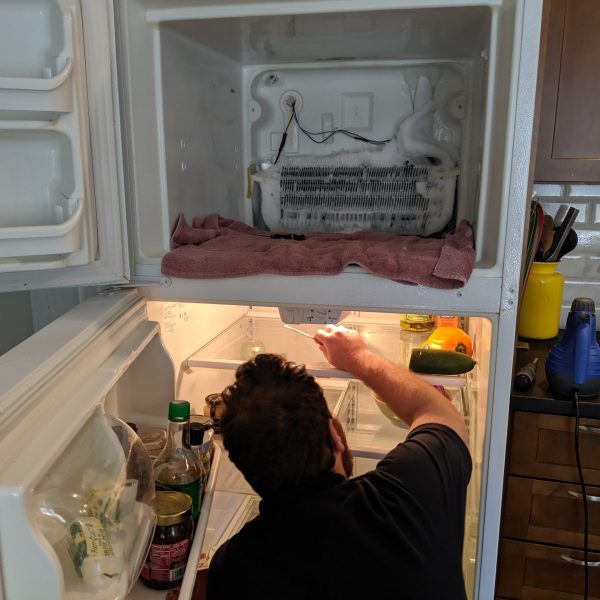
[338,443]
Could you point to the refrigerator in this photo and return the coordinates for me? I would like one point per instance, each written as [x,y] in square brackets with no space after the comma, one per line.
[116,117]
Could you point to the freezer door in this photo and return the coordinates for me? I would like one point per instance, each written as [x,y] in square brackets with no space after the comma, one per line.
[61,197]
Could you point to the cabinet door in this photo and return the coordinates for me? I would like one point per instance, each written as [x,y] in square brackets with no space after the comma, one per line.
[537,572]
[543,446]
[550,512]
[569,122]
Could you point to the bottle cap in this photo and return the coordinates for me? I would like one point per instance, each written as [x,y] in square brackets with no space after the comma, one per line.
[179,411]
[585,304]
[171,508]
[198,427]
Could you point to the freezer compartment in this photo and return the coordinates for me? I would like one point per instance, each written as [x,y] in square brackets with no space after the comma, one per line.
[36,58]
[207,95]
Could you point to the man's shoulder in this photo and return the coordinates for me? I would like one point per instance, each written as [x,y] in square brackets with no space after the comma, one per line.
[430,450]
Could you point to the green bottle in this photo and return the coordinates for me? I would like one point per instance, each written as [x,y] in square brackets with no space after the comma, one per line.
[175,468]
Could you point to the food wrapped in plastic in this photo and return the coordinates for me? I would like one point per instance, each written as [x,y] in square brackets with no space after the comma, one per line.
[94,506]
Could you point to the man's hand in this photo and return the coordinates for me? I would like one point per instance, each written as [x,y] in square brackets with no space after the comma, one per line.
[407,394]
[343,348]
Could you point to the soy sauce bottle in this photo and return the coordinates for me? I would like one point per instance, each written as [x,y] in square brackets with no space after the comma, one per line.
[175,468]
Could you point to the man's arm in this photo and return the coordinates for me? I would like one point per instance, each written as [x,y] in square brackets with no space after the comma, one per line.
[407,394]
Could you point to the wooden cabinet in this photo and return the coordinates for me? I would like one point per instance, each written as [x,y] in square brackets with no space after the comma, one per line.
[541,550]
[568,144]
[542,572]
[544,446]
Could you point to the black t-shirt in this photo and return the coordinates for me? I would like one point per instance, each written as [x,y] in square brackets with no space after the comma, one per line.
[394,532]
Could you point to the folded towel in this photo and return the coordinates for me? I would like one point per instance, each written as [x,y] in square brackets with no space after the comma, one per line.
[215,247]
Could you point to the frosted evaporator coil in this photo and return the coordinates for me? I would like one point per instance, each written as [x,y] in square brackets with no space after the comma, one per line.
[407,187]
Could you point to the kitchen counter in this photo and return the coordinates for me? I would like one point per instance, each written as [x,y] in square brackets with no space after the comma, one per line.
[539,397]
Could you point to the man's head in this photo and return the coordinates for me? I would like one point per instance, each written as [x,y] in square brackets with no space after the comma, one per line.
[276,425]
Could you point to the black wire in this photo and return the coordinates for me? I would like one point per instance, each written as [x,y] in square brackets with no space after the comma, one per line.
[330,133]
[284,136]
[585,505]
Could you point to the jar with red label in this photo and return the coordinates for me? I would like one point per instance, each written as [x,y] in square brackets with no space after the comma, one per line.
[167,558]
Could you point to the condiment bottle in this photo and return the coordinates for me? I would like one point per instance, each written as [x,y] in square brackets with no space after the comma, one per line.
[447,321]
[167,558]
[175,468]
[415,322]
[213,408]
[201,435]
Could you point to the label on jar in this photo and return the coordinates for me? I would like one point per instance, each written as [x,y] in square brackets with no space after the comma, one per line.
[87,538]
[166,562]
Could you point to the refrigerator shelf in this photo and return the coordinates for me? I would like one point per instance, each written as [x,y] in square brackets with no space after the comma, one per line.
[322,369]
[252,335]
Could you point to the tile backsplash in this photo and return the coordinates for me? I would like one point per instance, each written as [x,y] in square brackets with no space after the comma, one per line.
[581,267]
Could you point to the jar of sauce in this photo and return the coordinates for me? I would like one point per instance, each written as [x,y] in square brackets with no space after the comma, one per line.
[167,558]
[214,406]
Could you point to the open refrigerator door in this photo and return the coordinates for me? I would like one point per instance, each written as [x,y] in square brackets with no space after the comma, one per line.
[76,483]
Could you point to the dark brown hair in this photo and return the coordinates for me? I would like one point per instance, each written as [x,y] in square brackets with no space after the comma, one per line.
[275,424]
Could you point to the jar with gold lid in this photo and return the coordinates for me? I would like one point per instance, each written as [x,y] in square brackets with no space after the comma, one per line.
[214,406]
[167,558]
[416,322]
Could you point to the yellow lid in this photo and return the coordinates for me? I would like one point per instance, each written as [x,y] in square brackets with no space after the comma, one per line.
[172,507]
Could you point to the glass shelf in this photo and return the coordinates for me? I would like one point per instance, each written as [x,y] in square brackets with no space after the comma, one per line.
[252,335]
[369,432]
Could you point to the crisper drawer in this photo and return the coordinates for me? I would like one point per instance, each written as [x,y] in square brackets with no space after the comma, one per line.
[536,572]
[543,446]
[550,512]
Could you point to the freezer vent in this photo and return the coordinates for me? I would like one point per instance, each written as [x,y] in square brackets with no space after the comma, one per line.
[343,198]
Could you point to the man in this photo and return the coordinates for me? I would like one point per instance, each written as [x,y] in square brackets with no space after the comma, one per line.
[394,532]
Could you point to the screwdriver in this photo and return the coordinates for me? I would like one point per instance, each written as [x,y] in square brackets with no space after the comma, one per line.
[525,375]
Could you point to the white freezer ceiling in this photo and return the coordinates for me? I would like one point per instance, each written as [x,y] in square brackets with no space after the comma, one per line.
[426,34]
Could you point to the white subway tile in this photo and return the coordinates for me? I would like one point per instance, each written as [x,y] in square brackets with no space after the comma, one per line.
[572,266]
[591,271]
[583,191]
[588,241]
[550,208]
[548,190]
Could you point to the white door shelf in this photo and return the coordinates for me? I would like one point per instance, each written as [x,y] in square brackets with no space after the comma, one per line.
[36,57]
[43,206]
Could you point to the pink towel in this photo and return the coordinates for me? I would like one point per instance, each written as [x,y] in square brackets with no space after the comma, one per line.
[215,247]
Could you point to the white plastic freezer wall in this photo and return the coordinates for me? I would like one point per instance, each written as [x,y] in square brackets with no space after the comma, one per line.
[46,207]
[203,87]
